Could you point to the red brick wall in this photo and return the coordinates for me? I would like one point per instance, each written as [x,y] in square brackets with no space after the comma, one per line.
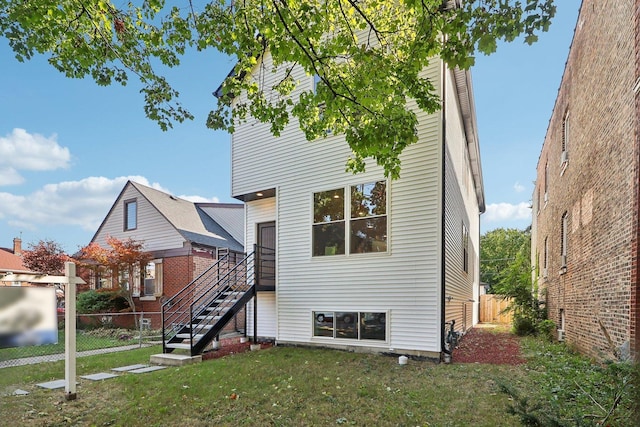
[635,268]
[178,272]
[598,188]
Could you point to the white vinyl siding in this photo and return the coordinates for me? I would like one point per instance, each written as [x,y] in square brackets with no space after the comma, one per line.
[152,228]
[403,282]
[257,212]
[461,207]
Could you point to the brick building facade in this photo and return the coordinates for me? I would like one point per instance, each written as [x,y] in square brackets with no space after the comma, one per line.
[183,239]
[586,200]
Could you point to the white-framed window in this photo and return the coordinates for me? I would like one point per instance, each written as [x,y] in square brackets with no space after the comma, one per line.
[130,214]
[546,182]
[351,220]
[153,278]
[350,325]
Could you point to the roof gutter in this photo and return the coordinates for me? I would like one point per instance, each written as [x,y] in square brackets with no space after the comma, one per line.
[444,350]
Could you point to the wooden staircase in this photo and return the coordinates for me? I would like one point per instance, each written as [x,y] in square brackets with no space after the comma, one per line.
[196,315]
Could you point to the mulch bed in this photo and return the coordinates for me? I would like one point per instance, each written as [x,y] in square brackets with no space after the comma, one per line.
[489,345]
[231,346]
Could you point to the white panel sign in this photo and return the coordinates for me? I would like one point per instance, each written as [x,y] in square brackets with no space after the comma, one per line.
[27,316]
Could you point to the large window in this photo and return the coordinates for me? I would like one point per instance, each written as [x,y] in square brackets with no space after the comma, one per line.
[153,278]
[366,230]
[328,223]
[130,215]
[350,325]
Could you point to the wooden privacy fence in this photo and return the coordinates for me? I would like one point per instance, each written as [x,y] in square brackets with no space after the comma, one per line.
[492,309]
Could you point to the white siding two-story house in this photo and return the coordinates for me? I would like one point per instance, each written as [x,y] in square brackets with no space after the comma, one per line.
[363,262]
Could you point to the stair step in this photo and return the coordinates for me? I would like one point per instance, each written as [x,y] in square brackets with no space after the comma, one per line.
[208,317]
[178,345]
[198,326]
[222,301]
[187,336]
[221,309]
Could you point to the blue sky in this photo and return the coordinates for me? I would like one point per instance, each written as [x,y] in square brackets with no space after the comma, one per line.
[67,147]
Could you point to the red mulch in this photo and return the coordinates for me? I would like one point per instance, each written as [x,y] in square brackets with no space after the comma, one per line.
[489,345]
[230,346]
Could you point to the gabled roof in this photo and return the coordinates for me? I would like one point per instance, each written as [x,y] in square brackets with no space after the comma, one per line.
[194,224]
[200,227]
[11,262]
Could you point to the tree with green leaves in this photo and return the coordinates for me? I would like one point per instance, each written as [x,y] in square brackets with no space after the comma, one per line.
[367,56]
[505,264]
[504,258]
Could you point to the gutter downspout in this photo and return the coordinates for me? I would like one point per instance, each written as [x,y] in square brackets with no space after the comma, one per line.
[444,350]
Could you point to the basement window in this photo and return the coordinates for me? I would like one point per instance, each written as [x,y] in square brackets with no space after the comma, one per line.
[350,325]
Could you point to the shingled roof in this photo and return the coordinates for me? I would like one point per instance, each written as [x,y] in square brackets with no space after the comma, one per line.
[211,224]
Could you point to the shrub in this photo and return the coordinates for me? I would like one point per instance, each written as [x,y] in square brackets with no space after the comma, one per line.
[97,301]
[523,325]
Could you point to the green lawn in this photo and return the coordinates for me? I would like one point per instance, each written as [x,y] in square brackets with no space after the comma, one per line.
[285,386]
[85,340]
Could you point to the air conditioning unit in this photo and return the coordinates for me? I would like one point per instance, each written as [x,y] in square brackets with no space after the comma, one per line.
[564,157]
[560,335]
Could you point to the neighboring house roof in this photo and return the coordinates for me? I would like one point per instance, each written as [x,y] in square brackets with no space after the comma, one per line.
[227,216]
[200,227]
[10,262]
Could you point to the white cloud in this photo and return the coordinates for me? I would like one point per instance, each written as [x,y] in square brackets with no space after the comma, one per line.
[82,203]
[507,212]
[10,176]
[200,199]
[518,187]
[21,150]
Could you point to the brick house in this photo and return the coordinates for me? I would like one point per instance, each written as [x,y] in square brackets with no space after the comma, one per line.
[11,261]
[184,239]
[586,202]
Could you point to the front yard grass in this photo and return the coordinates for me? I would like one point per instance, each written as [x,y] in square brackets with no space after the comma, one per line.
[286,386]
[278,386]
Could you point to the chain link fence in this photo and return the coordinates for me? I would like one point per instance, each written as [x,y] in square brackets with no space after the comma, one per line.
[96,333]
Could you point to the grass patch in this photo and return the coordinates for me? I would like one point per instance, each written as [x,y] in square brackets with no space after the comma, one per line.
[306,387]
[85,340]
[571,390]
[279,386]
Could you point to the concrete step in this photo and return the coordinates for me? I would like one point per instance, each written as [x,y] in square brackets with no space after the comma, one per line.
[170,359]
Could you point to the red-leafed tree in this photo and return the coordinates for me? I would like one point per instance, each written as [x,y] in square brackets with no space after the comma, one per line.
[124,260]
[46,257]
